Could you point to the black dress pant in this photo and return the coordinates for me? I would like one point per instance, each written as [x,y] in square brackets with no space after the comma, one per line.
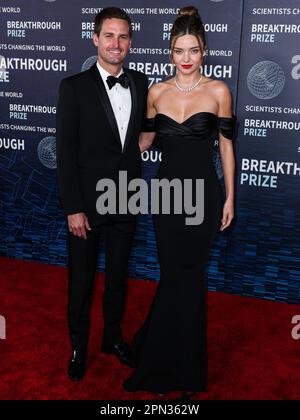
[83,257]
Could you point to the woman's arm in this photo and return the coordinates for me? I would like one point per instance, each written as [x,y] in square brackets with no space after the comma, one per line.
[147,137]
[228,163]
[146,140]
[227,156]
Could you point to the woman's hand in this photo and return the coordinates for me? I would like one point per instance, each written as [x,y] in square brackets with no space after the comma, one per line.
[228,214]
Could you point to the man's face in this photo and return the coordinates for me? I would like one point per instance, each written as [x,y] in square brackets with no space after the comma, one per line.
[113,42]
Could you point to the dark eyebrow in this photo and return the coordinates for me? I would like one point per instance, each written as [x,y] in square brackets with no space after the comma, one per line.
[112,33]
[181,49]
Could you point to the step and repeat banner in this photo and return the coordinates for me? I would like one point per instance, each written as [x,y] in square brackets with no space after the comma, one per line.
[264,251]
[254,49]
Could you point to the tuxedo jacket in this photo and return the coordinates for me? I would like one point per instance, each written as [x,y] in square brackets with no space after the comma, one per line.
[88,142]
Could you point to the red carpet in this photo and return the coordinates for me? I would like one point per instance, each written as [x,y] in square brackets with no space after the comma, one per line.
[251,352]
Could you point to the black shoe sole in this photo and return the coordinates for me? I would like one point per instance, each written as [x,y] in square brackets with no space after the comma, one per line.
[75,378]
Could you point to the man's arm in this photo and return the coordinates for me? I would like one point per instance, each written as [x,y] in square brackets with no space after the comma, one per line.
[67,149]
[67,161]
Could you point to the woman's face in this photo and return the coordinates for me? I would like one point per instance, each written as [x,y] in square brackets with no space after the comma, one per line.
[187,54]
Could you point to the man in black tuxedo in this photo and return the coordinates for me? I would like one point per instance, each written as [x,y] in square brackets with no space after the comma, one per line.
[99,117]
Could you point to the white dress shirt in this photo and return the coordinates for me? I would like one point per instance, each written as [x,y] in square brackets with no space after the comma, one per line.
[120,99]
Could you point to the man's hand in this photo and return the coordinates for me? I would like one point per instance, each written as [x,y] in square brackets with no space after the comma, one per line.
[78,223]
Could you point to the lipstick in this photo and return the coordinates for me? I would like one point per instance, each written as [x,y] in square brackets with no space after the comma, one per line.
[186,66]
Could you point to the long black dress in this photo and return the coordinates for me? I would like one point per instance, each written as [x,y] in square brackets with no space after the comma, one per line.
[170,347]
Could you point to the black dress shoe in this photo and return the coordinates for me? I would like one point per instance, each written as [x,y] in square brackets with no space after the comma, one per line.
[122,351]
[76,367]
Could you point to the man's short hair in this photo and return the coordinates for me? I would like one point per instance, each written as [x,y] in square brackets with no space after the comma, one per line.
[111,13]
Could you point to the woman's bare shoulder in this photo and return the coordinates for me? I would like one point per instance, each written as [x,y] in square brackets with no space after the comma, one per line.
[158,88]
[218,87]
[221,92]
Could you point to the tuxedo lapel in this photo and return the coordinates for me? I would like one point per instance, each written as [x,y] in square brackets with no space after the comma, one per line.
[133,113]
[105,102]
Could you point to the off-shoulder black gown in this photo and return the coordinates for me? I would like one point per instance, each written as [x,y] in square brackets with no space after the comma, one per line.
[170,347]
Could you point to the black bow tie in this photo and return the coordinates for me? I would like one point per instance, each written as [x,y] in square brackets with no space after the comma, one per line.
[123,80]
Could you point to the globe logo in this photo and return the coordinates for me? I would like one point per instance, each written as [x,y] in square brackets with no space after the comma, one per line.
[50,1]
[47,152]
[89,63]
[266,80]
[216,1]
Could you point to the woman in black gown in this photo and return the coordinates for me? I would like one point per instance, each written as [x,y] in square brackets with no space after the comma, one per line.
[187,113]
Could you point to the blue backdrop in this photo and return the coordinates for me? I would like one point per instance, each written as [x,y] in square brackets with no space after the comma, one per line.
[253,47]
